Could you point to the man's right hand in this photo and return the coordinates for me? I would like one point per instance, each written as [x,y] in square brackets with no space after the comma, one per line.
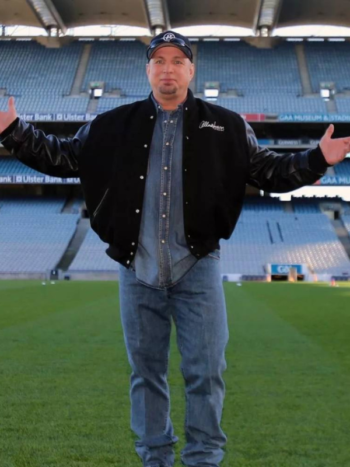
[6,118]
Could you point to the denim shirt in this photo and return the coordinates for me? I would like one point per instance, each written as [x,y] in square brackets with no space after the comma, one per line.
[163,257]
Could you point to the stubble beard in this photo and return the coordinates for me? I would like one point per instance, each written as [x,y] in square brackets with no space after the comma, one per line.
[168,90]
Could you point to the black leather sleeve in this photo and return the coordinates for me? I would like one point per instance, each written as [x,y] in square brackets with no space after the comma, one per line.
[45,153]
[280,173]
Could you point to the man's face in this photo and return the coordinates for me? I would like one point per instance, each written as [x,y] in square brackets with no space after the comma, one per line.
[169,71]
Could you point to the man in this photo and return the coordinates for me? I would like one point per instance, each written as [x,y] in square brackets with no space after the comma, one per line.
[164,180]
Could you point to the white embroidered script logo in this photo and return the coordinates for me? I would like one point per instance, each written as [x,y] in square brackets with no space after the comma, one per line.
[168,37]
[214,126]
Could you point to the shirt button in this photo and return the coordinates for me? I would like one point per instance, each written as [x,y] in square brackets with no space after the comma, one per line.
[137,211]
[165,121]
[187,137]
[133,244]
[151,117]
[186,108]
[164,194]
[142,177]
[188,236]
[171,121]
[164,215]
[167,144]
[131,252]
[145,145]
[186,202]
[163,241]
[127,262]
[191,246]
[165,168]
[185,170]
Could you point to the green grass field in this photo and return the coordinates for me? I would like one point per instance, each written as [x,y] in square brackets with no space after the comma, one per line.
[64,377]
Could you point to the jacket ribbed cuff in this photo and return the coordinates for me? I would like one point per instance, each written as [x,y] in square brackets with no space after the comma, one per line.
[317,161]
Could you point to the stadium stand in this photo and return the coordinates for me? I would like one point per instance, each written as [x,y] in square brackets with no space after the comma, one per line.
[48,77]
[11,166]
[92,256]
[343,169]
[266,80]
[346,221]
[251,71]
[109,103]
[265,233]
[273,103]
[343,103]
[329,61]
[121,65]
[283,238]
[305,206]
[34,234]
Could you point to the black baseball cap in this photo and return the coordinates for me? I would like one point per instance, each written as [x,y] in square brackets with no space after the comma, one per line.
[170,39]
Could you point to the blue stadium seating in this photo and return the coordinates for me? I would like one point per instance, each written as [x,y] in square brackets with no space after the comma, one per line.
[343,169]
[34,234]
[252,71]
[343,103]
[92,256]
[273,103]
[262,237]
[109,103]
[121,64]
[40,78]
[267,80]
[329,61]
[37,70]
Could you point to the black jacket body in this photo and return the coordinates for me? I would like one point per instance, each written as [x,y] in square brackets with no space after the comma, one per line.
[110,155]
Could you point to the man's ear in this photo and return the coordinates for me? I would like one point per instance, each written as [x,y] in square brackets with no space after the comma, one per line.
[192,72]
[147,69]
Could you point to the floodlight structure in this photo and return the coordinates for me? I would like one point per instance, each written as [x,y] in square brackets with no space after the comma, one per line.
[157,15]
[48,15]
[267,16]
[327,90]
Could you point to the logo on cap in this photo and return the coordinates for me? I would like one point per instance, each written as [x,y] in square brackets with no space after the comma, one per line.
[168,37]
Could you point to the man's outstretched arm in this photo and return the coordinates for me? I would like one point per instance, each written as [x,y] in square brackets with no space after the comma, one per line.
[279,173]
[45,153]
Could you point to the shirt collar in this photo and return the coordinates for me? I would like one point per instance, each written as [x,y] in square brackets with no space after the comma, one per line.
[159,107]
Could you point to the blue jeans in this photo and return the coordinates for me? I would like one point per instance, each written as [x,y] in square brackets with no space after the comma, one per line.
[197,305]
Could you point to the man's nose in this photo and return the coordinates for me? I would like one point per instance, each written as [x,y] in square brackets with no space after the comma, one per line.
[168,67]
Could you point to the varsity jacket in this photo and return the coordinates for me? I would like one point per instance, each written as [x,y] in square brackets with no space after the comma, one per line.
[110,155]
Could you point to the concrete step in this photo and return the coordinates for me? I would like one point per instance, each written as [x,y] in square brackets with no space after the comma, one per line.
[80,74]
[342,234]
[74,245]
[303,69]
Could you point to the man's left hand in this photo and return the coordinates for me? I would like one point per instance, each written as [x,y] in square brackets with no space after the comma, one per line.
[334,150]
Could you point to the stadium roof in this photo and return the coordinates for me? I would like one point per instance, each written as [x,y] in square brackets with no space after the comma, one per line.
[265,15]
